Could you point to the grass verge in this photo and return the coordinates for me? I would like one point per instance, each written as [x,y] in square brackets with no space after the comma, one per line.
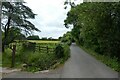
[111,62]
[0,59]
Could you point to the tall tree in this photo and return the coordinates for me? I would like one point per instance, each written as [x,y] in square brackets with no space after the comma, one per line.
[16,14]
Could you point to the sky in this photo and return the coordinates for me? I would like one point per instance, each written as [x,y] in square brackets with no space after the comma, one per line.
[50,17]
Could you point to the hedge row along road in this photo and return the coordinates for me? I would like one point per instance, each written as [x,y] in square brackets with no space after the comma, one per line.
[79,65]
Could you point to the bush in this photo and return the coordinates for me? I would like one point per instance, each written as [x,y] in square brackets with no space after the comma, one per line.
[29,46]
[59,51]
[65,41]
[39,61]
[6,58]
[62,51]
[66,52]
[36,61]
[68,42]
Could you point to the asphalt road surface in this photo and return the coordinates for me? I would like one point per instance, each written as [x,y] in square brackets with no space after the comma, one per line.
[79,65]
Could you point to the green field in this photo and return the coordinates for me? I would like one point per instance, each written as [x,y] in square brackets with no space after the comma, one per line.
[43,41]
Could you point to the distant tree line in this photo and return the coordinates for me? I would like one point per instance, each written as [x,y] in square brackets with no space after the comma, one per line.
[36,37]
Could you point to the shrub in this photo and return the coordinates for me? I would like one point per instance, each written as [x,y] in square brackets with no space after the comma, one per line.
[29,46]
[59,51]
[6,57]
[66,52]
[69,42]
[39,61]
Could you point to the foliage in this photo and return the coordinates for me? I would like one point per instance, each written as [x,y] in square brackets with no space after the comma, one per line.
[0,59]
[44,38]
[33,37]
[37,60]
[111,62]
[69,2]
[62,51]
[59,51]
[14,33]
[96,26]
[66,52]
[16,17]
[67,38]
[7,58]
[59,38]
[29,46]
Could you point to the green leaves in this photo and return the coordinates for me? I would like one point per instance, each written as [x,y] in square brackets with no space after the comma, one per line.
[67,38]
[16,15]
[96,26]
[59,51]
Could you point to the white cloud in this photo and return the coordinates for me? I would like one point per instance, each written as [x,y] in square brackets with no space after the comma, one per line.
[50,17]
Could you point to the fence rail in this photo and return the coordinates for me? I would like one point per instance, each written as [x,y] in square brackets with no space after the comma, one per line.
[44,49]
[38,47]
[35,48]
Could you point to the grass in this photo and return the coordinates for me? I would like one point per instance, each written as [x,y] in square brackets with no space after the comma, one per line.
[111,62]
[0,59]
[36,61]
[39,61]
[6,58]
[43,41]
[43,61]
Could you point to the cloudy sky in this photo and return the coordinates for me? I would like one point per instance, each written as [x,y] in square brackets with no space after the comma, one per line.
[50,17]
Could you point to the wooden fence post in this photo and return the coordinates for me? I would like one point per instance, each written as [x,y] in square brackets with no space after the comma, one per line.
[39,47]
[47,49]
[13,56]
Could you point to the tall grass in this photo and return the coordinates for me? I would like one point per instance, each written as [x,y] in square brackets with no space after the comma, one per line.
[0,59]
[39,61]
[6,58]
[35,61]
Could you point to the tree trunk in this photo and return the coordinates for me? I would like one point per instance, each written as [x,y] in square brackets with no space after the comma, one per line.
[7,26]
[13,56]
[3,48]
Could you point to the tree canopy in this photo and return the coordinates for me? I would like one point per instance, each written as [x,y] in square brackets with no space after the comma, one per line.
[33,37]
[96,26]
[16,15]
